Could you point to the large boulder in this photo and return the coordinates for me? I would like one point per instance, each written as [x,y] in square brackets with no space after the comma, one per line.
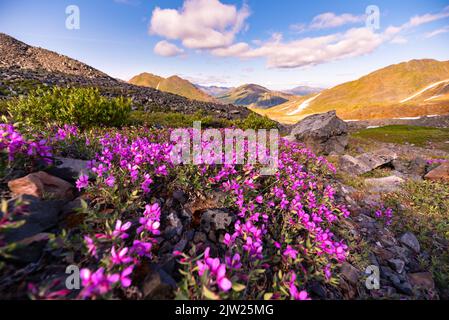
[440,173]
[323,133]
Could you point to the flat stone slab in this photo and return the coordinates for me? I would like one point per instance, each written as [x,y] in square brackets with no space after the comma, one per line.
[384,185]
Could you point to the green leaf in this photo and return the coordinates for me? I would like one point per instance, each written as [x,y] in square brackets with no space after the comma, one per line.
[209,294]
[267,296]
[237,287]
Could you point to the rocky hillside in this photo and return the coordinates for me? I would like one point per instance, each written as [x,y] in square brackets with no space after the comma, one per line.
[23,68]
[16,54]
[253,95]
[173,84]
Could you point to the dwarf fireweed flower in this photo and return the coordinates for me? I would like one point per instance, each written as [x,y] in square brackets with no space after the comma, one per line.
[91,247]
[121,256]
[82,182]
[97,283]
[216,269]
[110,181]
[120,230]
[141,248]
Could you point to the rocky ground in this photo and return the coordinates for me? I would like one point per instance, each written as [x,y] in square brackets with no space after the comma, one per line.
[366,180]
[371,173]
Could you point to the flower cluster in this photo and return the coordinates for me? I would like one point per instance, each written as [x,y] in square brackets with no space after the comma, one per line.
[14,144]
[384,213]
[120,260]
[282,224]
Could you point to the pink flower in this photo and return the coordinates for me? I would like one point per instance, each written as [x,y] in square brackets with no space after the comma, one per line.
[124,277]
[290,252]
[110,181]
[142,248]
[120,229]
[223,283]
[82,182]
[91,247]
[120,257]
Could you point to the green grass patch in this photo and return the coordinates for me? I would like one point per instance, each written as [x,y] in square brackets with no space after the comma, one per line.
[401,134]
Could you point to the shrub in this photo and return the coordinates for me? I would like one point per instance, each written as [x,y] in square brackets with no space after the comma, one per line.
[82,106]
[255,121]
[175,120]
[180,120]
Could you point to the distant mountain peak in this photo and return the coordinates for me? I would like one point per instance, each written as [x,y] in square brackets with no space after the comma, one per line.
[254,95]
[173,84]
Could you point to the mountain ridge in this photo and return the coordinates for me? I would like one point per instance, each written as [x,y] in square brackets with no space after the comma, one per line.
[381,94]
[254,95]
[173,84]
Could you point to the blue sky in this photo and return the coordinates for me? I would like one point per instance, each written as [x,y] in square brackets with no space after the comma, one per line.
[278,44]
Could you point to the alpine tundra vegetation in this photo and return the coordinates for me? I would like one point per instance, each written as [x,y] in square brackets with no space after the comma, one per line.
[159,188]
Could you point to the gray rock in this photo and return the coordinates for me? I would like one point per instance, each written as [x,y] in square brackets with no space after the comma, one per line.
[353,165]
[378,158]
[350,273]
[180,196]
[158,285]
[69,169]
[384,185]
[174,226]
[410,240]
[397,264]
[39,216]
[200,237]
[214,220]
[323,133]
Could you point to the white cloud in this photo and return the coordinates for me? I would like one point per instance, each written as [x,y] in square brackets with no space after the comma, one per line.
[200,24]
[417,21]
[235,50]
[313,51]
[328,20]
[167,49]
[399,40]
[437,32]
[212,26]
[331,20]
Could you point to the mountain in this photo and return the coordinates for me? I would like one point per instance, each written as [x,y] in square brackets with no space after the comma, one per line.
[173,84]
[24,67]
[253,95]
[303,91]
[214,91]
[409,89]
